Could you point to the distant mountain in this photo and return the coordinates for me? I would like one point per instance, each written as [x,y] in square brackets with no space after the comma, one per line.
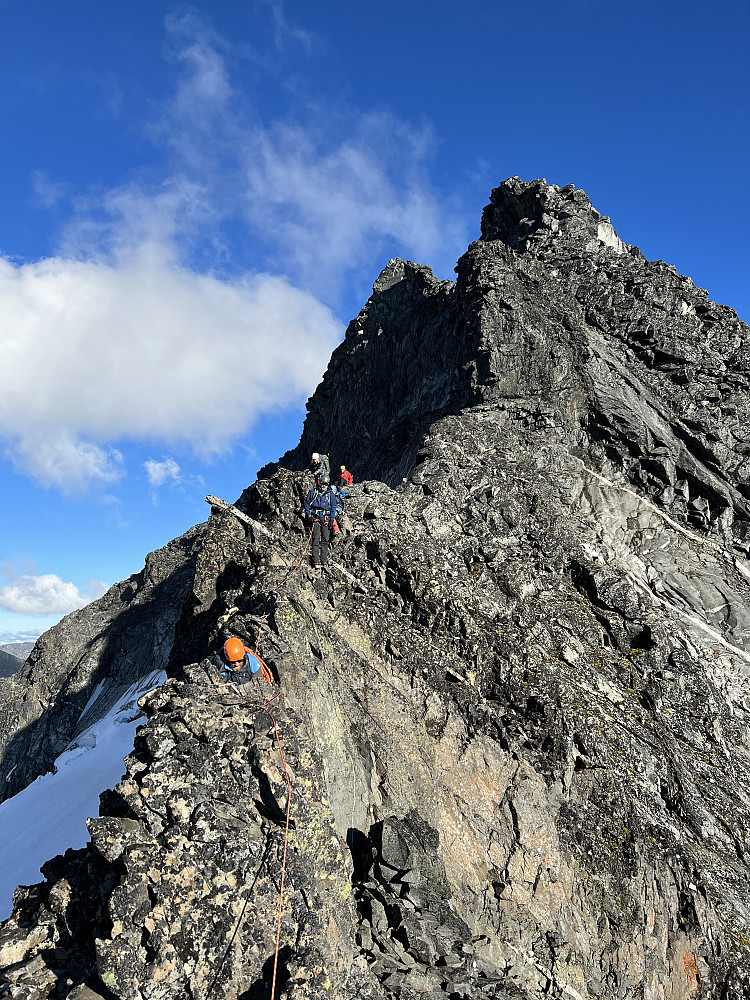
[9,662]
[514,705]
[20,648]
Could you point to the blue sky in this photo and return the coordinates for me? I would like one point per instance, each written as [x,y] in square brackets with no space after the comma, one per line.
[196,199]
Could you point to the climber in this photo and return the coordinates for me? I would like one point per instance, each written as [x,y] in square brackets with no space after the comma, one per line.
[235,658]
[320,505]
[340,499]
[345,477]
[320,466]
[341,521]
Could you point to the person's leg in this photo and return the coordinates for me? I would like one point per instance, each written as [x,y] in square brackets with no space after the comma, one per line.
[325,532]
[316,543]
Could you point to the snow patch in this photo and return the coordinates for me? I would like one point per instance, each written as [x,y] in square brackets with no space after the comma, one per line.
[49,816]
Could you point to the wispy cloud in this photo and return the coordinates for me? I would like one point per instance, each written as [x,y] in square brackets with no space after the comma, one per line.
[162,472]
[326,190]
[286,33]
[48,193]
[168,473]
[331,207]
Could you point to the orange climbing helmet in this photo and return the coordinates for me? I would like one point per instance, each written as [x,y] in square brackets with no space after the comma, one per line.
[234,649]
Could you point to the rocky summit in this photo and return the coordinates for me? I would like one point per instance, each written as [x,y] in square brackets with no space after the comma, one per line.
[509,718]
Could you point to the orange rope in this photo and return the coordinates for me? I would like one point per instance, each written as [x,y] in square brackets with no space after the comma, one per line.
[288,786]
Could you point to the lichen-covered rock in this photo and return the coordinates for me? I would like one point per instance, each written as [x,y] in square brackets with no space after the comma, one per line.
[514,707]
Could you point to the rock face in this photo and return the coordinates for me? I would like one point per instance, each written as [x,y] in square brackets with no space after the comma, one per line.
[513,710]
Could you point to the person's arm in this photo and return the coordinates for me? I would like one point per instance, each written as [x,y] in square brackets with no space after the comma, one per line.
[308,499]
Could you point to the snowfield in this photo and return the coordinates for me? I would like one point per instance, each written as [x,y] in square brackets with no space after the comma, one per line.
[49,816]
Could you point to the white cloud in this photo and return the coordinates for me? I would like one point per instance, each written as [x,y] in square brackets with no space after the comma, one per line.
[144,348]
[47,594]
[160,472]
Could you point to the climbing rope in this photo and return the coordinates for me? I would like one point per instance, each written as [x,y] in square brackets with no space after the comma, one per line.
[214,980]
[220,964]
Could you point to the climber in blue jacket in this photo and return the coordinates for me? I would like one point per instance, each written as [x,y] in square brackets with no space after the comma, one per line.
[320,505]
[236,658]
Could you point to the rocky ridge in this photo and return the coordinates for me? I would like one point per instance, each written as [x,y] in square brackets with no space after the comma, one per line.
[514,708]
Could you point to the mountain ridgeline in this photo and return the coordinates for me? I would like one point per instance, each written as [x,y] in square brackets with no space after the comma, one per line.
[514,708]
[9,663]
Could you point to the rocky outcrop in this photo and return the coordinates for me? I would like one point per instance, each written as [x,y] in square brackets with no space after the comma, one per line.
[514,709]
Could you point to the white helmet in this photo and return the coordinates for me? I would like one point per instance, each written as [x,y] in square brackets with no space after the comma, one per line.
[316,456]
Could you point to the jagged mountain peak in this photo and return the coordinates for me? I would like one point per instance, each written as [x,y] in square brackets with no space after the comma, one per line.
[535,214]
[417,276]
[515,703]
